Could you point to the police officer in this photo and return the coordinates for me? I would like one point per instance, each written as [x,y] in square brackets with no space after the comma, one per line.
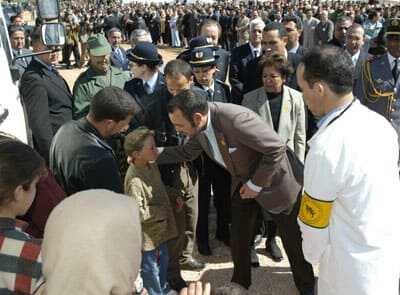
[377,84]
[149,90]
[211,176]
[99,75]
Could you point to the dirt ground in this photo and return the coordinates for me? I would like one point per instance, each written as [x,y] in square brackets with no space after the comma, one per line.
[270,278]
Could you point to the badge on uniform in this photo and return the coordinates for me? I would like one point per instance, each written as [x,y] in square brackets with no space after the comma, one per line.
[199,54]
[286,108]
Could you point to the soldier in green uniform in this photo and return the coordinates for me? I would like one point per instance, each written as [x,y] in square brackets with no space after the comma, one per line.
[99,75]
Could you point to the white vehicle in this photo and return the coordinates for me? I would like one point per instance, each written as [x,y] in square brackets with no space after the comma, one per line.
[12,115]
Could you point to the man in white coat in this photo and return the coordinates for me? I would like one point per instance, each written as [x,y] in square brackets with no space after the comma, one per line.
[349,211]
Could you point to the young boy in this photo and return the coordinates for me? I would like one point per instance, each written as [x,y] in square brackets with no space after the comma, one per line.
[20,262]
[143,182]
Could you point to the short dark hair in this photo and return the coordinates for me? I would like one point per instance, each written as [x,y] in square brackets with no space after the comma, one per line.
[329,64]
[177,67]
[278,62]
[114,104]
[14,28]
[19,165]
[189,102]
[134,141]
[274,26]
[343,19]
[297,21]
[113,30]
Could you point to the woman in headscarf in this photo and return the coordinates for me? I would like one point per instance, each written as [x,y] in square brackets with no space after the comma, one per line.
[92,245]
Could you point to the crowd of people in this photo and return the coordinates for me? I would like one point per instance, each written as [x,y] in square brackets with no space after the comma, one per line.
[286,115]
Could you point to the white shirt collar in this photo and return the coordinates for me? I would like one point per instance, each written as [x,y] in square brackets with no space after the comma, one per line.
[212,87]
[208,126]
[152,81]
[294,49]
[355,57]
[255,48]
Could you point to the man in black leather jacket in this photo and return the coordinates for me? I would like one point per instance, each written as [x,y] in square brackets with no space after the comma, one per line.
[80,156]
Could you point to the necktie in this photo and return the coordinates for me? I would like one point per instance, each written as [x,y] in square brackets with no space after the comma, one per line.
[210,94]
[120,55]
[147,88]
[395,70]
[256,53]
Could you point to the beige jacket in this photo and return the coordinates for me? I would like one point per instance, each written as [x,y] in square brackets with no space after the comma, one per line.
[292,121]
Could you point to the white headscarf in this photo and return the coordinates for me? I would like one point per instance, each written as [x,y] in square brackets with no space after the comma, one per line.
[92,245]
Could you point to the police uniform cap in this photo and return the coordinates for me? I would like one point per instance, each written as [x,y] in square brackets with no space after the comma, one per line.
[98,45]
[203,57]
[144,53]
[196,43]
[393,27]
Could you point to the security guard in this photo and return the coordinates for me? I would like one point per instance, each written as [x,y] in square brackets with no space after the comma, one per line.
[99,75]
[378,85]
[211,176]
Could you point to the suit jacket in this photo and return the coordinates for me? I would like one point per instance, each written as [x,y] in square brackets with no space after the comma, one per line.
[154,111]
[22,63]
[251,151]
[360,61]
[48,102]
[292,120]
[222,64]
[300,51]
[117,62]
[221,93]
[240,58]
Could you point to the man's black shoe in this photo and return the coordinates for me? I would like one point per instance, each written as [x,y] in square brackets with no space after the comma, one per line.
[177,283]
[272,249]
[204,249]
[192,264]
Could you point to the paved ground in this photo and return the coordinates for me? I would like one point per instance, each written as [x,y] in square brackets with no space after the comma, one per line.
[269,279]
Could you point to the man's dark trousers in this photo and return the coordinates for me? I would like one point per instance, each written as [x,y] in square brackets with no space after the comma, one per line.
[244,217]
[211,175]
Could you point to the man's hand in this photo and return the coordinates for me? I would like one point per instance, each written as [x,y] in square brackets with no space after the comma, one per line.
[196,288]
[247,193]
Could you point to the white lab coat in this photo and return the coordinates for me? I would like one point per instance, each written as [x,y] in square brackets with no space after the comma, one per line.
[353,162]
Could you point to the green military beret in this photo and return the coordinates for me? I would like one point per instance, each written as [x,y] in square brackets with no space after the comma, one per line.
[98,45]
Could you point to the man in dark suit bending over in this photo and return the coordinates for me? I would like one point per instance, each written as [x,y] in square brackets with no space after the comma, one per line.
[239,141]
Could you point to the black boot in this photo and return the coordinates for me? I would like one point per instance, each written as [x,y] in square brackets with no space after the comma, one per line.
[272,249]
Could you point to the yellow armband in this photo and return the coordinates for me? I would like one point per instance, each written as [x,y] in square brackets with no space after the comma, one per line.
[315,213]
